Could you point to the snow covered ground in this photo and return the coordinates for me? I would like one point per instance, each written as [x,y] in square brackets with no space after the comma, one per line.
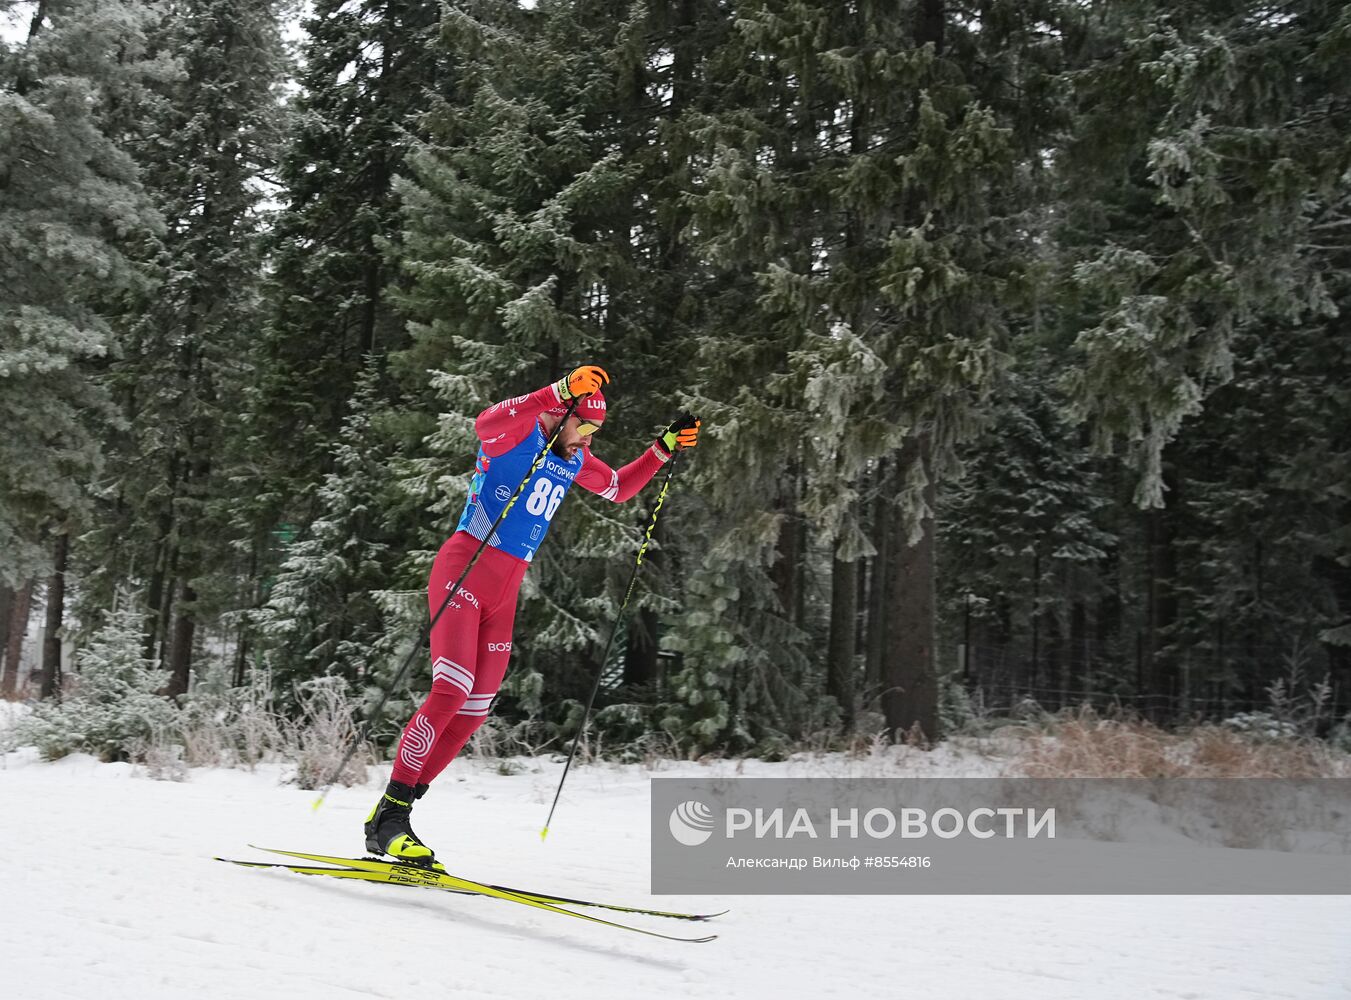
[108,890]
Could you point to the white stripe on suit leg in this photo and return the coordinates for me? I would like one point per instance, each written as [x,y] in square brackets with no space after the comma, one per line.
[454,674]
[447,661]
[450,667]
[477,704]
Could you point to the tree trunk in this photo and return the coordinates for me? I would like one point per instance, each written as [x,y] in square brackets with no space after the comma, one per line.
[159,595]
[876,642]
[843,626]
[180,650]
[640,651]
[1034,668]
[640,642]
[241,656]
[25,80]
[1161,664]
[154,598]
[910,691]
[1108,622]
[1076,680]
[860,595]
[787,567]
[56,613]
[6,607]
[1055,661]
[911,694]
[165,609]
[1338,578]
[931,24]
[251,601]
[18,625]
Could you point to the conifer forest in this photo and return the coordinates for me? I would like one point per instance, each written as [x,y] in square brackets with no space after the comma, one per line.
[1020,333]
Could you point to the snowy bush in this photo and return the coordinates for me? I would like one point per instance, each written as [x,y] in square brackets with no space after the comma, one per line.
[319,739]
[1083,745]
[9,733]
[113,708]
[114,711]
[226,726]
[1296,706]
[162,757]
[955,711]
[1262,726]
[1340,737]
[624,723]
[1029,712]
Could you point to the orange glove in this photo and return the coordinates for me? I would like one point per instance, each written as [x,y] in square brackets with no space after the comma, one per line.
[582,381]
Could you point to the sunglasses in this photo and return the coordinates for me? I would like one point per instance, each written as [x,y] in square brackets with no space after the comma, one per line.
[586,428]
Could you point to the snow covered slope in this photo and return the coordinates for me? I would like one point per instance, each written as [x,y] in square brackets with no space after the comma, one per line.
[108,890]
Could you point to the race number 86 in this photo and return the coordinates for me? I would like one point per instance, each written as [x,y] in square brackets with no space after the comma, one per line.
[545,498]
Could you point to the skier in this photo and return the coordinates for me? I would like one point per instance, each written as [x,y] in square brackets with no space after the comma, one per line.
[471,643]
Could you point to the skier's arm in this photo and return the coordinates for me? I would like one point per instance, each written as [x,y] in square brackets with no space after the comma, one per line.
[604,481]
[624,483]
[504,425]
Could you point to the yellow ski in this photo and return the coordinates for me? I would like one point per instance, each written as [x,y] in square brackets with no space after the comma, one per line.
[376,864]
[368,870]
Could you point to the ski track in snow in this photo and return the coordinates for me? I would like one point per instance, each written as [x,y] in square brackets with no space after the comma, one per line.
[125,902]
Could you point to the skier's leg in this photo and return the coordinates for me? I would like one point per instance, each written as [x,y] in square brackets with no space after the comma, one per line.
[454,643]
[494,653]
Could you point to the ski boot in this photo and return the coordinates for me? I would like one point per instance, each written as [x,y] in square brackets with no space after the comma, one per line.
[388,830]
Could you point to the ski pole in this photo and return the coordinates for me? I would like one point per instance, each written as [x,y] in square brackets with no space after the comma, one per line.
[450,593]
[614,630]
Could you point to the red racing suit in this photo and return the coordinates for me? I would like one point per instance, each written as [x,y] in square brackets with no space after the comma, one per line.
[471,642]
